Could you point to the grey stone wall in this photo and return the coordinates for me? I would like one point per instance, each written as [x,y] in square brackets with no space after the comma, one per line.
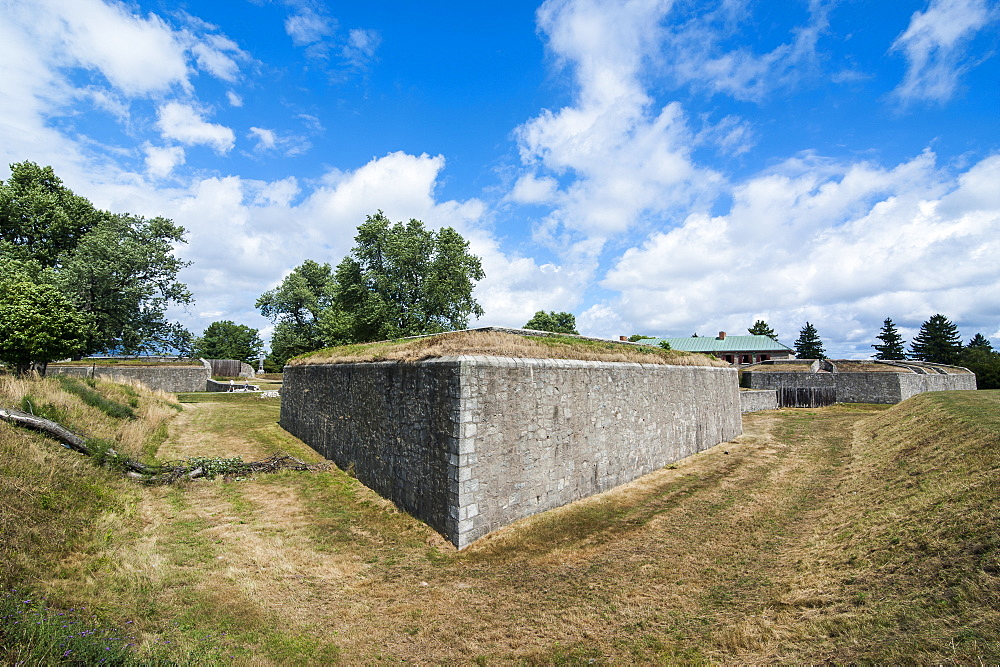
[756,400]
[910,385]
[167,378]
[471,444]
[860,387]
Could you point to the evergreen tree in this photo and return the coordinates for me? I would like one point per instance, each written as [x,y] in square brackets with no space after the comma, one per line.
[980,341]
[892,342]
[762,328]
[808,345]
[937,342]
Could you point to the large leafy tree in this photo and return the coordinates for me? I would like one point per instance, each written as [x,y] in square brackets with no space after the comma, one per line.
[40,218]
[228,340]
[553,321]
[762,328]
[985,363]
[892,342]
[402,280]
[808,345]
[37,324]
[124,274]
[937,341]
[296,306]
[118,270]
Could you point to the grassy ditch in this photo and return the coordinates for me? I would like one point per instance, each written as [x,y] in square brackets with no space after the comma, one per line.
[843,534]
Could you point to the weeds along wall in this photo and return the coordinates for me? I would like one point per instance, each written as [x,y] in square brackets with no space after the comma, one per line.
[471,444]
[173,379]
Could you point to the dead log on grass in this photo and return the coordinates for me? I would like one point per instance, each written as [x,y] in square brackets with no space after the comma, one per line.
[159,474]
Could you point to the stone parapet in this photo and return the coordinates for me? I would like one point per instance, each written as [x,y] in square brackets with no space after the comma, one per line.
[166,378]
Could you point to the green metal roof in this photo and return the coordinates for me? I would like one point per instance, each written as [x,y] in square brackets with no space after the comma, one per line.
[711,344]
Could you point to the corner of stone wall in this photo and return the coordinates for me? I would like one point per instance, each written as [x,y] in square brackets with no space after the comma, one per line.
[464,456]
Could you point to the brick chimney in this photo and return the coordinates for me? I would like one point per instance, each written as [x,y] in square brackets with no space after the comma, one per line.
[722,335]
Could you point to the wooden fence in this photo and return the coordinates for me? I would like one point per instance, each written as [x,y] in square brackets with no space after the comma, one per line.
[806,397]
[228,368]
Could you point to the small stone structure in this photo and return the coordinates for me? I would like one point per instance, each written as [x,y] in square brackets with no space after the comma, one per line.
[860,381]
[757,400]
[164,378]
[470,444]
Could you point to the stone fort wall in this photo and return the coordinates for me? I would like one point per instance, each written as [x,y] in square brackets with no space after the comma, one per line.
[860,387]
[166,378]
[471,444]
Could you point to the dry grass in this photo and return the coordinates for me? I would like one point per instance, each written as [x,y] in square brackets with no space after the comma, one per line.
[842,534]
[868,367]
[498,344]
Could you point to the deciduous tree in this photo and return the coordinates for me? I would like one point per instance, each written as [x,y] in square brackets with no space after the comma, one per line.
[37,325]
[937,341]
[117,269]
[892,342]
[808,345]
[296,306]
[553,321]
[124,274]
[402,280]
[985,363]
[40,218]
[228,340]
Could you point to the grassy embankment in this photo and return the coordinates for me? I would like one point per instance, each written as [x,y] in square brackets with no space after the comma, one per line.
[851,533]
[495,343]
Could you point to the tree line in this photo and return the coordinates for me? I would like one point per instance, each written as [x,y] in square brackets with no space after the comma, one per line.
[76,280]
[937,341]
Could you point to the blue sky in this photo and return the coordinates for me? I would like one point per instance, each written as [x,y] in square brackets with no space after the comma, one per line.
[653,166]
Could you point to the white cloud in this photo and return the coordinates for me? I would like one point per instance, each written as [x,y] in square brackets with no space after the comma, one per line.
[933,45]
[183,123]
[161,160]
[843,246]
[234,99]
[308,27]
[217,55]
[621,160]
[361,46]
[269,140]
[145,55]
[694,52]
[265,138]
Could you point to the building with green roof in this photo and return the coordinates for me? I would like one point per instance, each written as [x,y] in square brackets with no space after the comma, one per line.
[733,349]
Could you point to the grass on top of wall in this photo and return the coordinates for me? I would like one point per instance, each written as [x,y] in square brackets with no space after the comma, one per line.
[500,344]
[186,363]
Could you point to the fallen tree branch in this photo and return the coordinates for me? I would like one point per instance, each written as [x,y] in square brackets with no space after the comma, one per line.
[167,473]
